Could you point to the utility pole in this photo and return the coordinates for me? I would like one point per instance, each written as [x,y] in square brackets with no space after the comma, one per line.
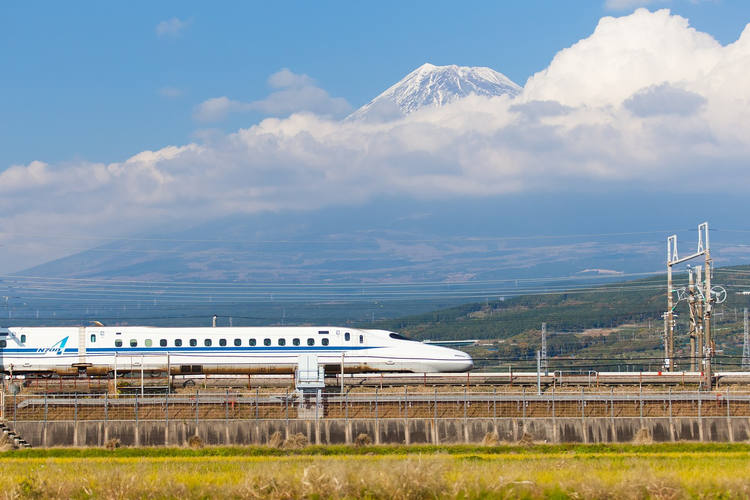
[693,331]
[708,301]
[669,332]
[544,363]
[700,310]
[701,339]
[746,344]
[666,337]
[538,373]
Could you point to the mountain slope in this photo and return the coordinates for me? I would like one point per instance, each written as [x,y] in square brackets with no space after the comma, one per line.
[386,240]
[434,86]
[600,327]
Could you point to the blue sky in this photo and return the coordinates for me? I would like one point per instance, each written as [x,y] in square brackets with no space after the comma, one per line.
[104,129]
[95,81]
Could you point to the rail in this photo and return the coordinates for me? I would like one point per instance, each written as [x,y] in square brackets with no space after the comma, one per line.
[159,382]
[255,405]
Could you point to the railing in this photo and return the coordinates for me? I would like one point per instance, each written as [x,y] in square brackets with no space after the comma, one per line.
[152,382]
[257,405]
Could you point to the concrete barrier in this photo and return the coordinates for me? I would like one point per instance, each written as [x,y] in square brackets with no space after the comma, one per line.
[387,431]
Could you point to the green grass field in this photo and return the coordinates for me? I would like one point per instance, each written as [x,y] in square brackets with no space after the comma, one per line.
[565,471]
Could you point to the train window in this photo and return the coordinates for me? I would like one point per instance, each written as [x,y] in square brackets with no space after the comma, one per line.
[193,342]
[133,343]
[222,342]
[163,342]
[310,341]
[323,332]
[282,341]
[324,341]
[149,343]
[347,336]
[178,342]
[207,342]
[23,338]
[295,341]
[238,342]
[118,343]
[400,337]
[266,341]
[361,339]
[252,342]
[93,337]
[3,343]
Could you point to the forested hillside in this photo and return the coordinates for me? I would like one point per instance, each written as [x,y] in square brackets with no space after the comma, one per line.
[608,323]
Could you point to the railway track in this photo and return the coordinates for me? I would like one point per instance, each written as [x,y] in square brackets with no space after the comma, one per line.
[248,406]
[503,380]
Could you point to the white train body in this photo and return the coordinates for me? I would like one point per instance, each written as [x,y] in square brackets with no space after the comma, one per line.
[237,350]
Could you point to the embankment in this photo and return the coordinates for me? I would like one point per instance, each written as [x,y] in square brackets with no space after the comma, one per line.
[387,431]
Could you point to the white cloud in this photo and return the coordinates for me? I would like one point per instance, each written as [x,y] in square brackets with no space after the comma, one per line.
[171,28]
[625,55]
[628,5]
[664,99]
[24,177]
[646,101]
[217,108]
[620,5]
[171,92]
[307,98]
[285,78]
[294,93]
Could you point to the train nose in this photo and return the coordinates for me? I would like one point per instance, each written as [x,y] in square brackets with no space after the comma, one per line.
[458,361]
[465,362]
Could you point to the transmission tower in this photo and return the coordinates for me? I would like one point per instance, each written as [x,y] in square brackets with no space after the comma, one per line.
[746,344]
[545,365]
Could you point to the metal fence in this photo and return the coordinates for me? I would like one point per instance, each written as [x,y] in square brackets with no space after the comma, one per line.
[231,405]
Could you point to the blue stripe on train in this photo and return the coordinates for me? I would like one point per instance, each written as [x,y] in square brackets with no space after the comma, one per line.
[112,350]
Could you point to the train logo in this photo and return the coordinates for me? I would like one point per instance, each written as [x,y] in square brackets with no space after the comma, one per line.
[57,347]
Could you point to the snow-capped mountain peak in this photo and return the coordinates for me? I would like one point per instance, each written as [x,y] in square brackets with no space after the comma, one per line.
[434,86]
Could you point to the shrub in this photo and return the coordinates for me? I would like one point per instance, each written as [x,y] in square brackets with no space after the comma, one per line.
[362,440]
[526,439]
[491,439]
[6,443]
[275,440]
[643,436]
[295,442]
[112,444]
[195,442]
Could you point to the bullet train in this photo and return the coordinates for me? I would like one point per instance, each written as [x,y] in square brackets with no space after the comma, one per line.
[101,350]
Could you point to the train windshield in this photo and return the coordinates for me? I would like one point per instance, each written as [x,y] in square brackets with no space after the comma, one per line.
[400,337]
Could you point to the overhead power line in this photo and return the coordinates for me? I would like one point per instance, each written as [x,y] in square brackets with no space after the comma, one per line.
[69,236]
[569,277]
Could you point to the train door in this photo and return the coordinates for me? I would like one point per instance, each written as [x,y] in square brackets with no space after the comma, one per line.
[3,344]
[81,346]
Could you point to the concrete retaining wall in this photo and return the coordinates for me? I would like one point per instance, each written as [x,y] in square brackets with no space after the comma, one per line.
[384,431]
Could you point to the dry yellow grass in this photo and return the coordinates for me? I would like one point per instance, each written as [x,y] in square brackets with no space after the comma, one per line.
[527,474]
